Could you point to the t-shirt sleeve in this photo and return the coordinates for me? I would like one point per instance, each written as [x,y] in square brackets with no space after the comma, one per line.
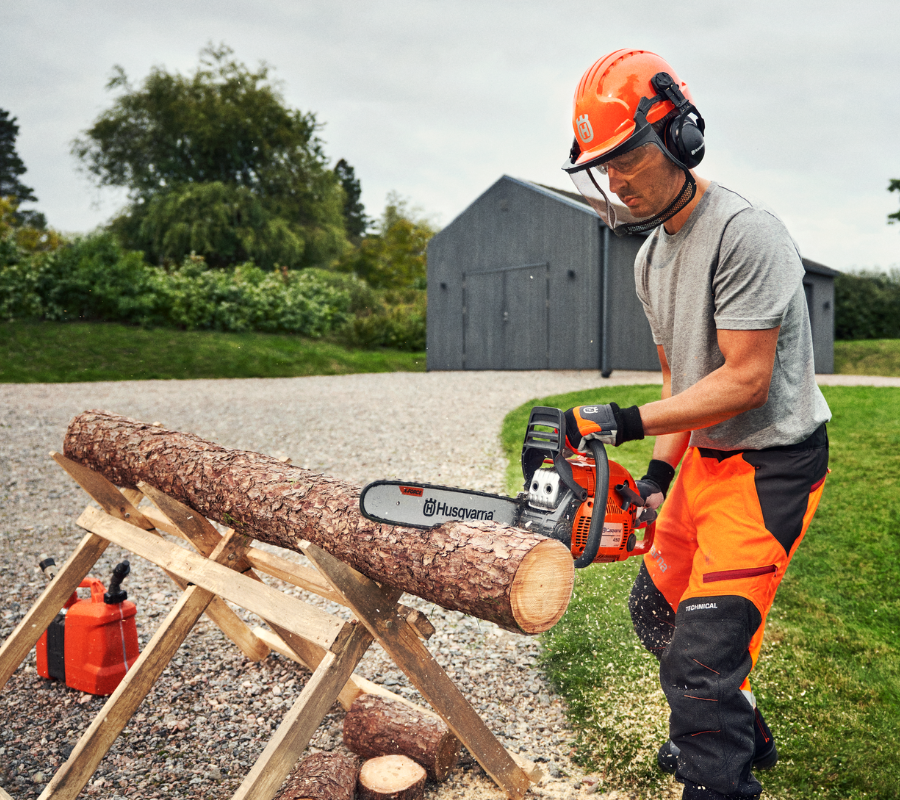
[641,265]
[758,272]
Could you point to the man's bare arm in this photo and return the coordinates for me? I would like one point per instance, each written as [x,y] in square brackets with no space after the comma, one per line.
[740,384]
[668,447]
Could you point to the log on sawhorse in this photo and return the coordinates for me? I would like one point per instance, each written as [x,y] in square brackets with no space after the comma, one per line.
[225,567]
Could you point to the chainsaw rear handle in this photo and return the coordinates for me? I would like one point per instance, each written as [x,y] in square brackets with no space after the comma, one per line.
[598,515]
[643,547]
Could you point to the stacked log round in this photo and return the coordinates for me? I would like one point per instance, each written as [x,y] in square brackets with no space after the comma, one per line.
[375,726]
[517,579]
[391,778]
[322,776]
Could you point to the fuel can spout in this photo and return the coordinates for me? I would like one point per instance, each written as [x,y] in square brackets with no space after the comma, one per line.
[116,594]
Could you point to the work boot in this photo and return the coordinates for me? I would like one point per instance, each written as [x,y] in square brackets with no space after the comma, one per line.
[765,755]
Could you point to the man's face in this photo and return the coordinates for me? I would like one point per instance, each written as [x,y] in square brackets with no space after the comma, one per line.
[644,180]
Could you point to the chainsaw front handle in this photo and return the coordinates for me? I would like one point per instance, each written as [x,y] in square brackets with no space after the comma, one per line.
[598,516]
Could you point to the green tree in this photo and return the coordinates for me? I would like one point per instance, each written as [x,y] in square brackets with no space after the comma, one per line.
[355,219]
[222,136]
[11,167]
[894,186]
[394,256]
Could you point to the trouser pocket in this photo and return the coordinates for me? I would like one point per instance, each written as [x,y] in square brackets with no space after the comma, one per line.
[734,574]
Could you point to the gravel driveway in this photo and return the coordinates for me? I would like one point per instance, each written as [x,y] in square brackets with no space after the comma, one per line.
[208,719]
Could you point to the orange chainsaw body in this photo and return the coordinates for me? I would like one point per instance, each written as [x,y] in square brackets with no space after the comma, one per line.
[618,540]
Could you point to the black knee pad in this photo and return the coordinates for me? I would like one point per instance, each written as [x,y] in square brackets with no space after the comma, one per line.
[651,614]
[701,673]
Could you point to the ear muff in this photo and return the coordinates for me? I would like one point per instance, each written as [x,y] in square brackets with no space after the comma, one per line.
[683,136]
[684,140]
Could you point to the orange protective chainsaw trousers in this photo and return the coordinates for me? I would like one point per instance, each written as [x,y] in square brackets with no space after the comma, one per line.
[724,538]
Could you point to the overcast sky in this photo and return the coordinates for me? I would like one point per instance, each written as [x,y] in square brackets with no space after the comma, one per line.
[437,100]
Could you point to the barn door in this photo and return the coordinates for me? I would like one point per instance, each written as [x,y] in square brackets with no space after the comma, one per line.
[505,318]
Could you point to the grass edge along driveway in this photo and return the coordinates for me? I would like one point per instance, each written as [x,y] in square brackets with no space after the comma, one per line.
[65,352]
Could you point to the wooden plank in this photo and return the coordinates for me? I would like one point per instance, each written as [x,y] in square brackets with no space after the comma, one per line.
[72,776]
[4,795]
[191,524]
[231,625]
[297,728]
[218,610]
[269,563]
[288,612]
[133,496]
[108,496]
[291,572]
[310,656]
[399,640]
[47,606]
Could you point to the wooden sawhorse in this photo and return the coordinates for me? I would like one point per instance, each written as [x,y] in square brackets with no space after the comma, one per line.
[224,567]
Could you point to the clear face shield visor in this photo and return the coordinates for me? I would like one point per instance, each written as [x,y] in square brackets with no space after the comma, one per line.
[629,159]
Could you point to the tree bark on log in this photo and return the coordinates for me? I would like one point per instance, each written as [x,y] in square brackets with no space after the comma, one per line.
[375,726]
[391,778]
[521,581]
[322,776]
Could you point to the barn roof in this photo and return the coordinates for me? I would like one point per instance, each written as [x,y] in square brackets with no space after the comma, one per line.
[576,201]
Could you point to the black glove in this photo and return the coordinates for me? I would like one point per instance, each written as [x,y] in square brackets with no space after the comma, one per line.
[608,423]
[654,486]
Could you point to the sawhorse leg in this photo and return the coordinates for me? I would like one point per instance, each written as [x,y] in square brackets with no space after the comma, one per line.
[400,642]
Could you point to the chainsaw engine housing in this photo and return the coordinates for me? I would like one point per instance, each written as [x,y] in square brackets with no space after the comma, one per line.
[554,511]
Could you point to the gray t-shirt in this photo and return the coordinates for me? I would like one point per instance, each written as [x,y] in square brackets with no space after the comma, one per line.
[733,266]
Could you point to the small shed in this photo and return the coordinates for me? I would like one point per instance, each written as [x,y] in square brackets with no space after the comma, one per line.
[529,277]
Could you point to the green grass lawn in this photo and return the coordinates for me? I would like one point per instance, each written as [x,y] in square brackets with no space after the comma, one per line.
[62,352]
[868,357]
[828,679]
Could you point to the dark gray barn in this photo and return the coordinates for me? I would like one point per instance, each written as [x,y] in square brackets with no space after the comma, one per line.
[528,277]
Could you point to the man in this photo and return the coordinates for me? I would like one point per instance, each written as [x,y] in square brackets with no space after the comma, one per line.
[721,283]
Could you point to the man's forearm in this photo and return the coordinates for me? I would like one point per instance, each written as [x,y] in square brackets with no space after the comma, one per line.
[670,447]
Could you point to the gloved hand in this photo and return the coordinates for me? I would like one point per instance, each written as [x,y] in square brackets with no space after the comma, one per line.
[654,486]
[608,423]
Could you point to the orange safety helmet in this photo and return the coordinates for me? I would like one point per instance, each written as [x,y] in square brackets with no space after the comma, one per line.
[616,104]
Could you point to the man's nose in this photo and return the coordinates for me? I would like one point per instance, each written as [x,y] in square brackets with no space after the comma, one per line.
[616,182]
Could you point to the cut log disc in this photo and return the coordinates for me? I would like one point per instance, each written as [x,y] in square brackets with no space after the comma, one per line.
[322,776]
[538,591]
[391,778]
[375,726]
[515,578]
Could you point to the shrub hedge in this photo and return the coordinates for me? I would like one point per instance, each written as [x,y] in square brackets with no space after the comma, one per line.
[867,305]
[93,278]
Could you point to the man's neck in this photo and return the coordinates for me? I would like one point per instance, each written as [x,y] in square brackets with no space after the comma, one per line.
[676,223]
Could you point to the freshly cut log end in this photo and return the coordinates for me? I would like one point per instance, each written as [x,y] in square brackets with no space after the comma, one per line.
[509,576]
[322,776]
[541,590]
[391,778]
[376,726]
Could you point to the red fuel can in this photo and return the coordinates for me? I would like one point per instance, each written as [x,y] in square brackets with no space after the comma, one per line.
[98,637]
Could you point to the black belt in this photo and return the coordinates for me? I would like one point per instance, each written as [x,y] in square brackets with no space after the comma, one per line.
[818,438]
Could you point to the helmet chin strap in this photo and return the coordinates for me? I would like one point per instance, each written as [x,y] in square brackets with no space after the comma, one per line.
[688,190]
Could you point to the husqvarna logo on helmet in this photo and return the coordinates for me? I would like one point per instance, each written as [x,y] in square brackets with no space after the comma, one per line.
[585,131]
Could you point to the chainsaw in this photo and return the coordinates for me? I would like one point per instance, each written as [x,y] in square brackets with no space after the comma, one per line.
[558,501]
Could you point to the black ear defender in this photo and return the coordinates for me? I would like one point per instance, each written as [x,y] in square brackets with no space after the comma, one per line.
[683,136]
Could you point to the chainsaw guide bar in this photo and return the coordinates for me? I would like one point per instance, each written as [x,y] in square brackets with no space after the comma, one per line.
[418,505]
